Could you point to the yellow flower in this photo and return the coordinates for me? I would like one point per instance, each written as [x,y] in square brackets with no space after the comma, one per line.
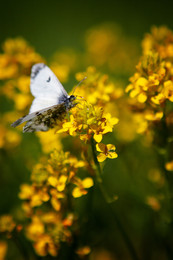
[50,179]
[151,116]
[153,203]
[86,121]
[83,251]
[55,201]
[169,166]
[46,231]
[26,191]
[59,183]
[147,84]
[3,250]
[97,89]
[45,245]
[18,57]
[7,223]
[161,40]
[35,229]
[106,151]
[82,185]
[152,83]
[168,90]
[34,195]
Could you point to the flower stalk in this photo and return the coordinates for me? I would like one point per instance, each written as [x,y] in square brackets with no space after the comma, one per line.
[109,201]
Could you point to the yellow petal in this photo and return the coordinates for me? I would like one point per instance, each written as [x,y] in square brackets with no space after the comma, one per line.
[80,164]
[88,182]
[98,137]
[112,155]
[26,191]
[169,166]
[101,157]
[129,87]
[55,204]
[53,181]
[91,121]
[36,200]
[83,251]
[3,249]
[142,82]
[114,120]
[110,147]
[72,130]
[100,147]
[142,98]
[61,183]
[63,178]
[158,99]
[134,93]
[77,192]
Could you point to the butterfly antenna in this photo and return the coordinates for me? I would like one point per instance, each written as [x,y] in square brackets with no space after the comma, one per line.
[81,99]
[79,84]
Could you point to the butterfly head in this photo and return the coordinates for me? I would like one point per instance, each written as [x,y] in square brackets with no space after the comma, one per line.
[72,98]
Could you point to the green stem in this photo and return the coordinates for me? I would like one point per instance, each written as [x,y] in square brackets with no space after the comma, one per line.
[20,247]
[107,198]
[99,172]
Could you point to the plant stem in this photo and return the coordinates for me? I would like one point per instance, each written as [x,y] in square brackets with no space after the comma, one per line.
[107,198]
[98,173]
[20,247]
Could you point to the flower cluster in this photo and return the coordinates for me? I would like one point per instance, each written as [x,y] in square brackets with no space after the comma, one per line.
[47,230]
[97,89]
[152,83]
[7,224]
[151,88]
[17,59]
[7,228]
[161,40]
[100,91]
[51,181]
[89,122]
[47,197]
[15,65]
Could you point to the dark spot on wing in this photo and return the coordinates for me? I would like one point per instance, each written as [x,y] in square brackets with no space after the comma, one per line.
[36,69]
[37,113]
[48,80]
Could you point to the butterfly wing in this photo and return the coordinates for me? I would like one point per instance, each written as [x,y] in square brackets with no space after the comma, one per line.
[51,101]
[43,119]
[46,88]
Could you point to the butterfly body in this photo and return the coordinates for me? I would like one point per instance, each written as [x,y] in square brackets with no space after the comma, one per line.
[51,101]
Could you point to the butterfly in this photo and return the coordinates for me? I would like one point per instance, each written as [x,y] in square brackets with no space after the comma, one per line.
[51,102]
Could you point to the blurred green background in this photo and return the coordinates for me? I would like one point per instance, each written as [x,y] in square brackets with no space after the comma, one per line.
[49,25]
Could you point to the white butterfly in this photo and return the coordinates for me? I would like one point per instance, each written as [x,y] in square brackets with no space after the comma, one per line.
[51,101]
